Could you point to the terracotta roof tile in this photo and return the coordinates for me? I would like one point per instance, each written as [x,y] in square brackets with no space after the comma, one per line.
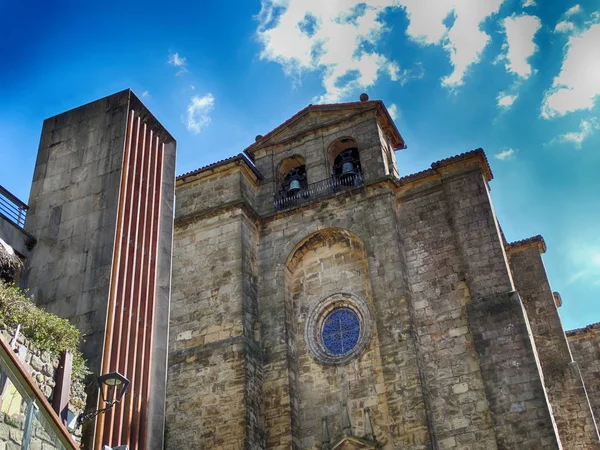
[446,162]
[538,239]
[584,330]
[238,157]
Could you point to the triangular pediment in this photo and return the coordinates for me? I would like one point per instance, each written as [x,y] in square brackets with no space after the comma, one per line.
[314,117]
[353,443]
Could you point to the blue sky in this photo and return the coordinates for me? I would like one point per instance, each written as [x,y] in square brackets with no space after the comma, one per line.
[519,78]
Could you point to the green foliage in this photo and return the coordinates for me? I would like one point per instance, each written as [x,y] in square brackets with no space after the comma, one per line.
[47,331]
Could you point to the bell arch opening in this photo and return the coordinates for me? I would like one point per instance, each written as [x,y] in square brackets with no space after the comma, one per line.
[291,175]
[344,160]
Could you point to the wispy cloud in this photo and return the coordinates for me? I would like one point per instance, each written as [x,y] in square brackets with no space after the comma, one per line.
[564,26]
[506,101]
[528,3]
[585,258]
[393,110]
[175,59]
[146,94]
[519,46]
[505,154]
[577,85]
[572,11]
[198,112]
[587,127]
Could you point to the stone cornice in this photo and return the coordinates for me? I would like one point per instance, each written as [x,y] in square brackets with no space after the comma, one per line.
[439,167]
[219,166]
[524,244]
[593,327]
[240,204]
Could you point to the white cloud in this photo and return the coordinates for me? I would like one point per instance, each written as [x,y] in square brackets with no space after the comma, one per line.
[335,37]
[572,11]
[520,31]
[506,100]
[464,40]
[577,84]
[198,112]
[178,61]
[564,26]
[586,129]
[146,94]
[527,3]
[505,154]
[393,110]
[338,38]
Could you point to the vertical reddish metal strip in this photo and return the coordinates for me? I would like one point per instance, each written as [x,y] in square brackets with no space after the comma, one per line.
[108,335]
[144,296]
[122,306]
[147,352]
[137,294]
[129,295]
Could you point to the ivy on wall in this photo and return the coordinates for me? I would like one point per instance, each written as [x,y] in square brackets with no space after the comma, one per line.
[45,330]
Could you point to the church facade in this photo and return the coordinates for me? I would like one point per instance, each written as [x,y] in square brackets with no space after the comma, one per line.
[302,294]
[319,300]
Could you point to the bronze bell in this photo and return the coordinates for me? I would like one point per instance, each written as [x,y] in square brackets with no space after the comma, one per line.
[347,168]
[294,185]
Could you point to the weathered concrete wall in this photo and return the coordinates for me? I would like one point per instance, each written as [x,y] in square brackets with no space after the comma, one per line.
[585,348]
[16,237]
[564,385]
[72,213]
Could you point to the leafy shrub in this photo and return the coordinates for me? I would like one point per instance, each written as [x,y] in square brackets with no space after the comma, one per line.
[45,330]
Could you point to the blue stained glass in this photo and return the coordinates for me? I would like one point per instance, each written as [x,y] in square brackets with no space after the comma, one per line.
[341,330]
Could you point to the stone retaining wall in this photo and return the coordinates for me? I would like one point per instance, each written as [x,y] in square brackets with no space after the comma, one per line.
[42,367]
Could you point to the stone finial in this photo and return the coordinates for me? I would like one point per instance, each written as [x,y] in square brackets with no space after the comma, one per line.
[364,97]
[346,425]
[258,137]
[325,439]
[557,299]
[368,426]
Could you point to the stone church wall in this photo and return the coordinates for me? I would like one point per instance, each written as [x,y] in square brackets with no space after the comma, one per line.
[585,347]
[562,377]
[471,330]
[369,215]
[214,363]
[452,361]
[325,265]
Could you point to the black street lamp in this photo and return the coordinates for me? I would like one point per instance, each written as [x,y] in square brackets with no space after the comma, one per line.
[113,387]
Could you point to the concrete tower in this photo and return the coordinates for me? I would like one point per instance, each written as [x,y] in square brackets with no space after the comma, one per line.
[101,209]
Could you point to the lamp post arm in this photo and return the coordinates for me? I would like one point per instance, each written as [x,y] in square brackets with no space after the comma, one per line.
[87,416]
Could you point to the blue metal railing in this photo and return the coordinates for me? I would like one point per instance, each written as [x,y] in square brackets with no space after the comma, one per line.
[12,208]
